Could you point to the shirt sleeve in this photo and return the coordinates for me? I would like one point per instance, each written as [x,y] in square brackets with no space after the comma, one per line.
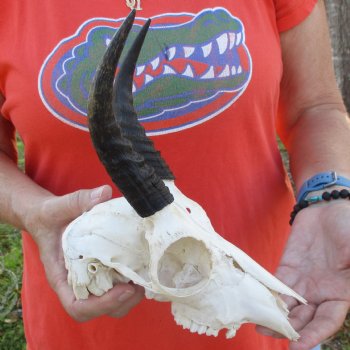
[290,13]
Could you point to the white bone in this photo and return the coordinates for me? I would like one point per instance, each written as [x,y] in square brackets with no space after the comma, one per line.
[177,256]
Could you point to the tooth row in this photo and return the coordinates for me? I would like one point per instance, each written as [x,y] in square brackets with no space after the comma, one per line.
[189,72]
[230,333]
[225,41]
[210,73]
[154,64]
[194,327]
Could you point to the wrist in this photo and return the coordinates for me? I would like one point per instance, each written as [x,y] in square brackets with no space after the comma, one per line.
[331,194]
[31,211]
[322,181]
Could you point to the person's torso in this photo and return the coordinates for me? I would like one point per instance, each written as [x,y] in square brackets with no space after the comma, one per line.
[206,89]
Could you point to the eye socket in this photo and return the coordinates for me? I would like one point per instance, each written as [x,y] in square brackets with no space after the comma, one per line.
[185,263]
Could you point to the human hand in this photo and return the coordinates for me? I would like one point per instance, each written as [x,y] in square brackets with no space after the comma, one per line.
[316,264]
[46,223]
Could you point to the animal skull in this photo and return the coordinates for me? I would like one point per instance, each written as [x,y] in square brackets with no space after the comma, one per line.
[163,241]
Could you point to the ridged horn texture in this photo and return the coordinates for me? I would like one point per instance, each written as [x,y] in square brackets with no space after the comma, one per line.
[139,183]
[123,108]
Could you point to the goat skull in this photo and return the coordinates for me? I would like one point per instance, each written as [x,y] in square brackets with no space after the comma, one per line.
[162,241]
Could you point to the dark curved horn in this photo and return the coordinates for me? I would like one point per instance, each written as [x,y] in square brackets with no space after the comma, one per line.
[138,182]
[126,115]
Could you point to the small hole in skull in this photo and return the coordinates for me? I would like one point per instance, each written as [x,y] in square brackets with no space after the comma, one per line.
[184,264]
[81,257]
[189,210]
[92,268]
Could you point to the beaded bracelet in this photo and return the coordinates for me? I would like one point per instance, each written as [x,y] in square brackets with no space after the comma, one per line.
[325,196]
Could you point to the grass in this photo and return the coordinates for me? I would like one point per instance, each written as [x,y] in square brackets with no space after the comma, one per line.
[11,325]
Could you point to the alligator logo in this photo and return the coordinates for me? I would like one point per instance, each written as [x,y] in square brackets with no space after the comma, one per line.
[191,68]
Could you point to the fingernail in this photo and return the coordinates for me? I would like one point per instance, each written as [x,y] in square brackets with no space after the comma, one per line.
[96,193]
[126,295]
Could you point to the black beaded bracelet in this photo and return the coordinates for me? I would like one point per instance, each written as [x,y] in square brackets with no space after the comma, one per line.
[325,196]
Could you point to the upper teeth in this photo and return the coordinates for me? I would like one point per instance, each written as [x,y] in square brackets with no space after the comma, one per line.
[194,327]
[207,49]
[230,333]
[189,72]
[155,63]
[188,51]
[222,41]
[238,38]
[170,53]
[139,70]
[225,41]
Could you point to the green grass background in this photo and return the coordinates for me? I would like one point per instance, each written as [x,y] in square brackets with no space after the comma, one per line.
[11,325]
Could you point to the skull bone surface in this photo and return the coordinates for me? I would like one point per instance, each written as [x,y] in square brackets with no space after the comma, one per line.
[155,236]
[176,256]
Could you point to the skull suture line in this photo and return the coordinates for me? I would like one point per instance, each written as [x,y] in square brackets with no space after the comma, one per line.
[155,236]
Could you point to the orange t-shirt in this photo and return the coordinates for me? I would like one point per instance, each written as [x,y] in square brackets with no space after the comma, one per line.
[206,88]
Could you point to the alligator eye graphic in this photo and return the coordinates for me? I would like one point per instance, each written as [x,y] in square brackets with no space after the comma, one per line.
[191,68]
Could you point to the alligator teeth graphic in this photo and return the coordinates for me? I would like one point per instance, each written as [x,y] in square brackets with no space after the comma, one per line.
[139,70]
[222,41]
[188,51]
[207,49]
[170,53]
[188,62]
[155,63]
[168,70]
[188,72]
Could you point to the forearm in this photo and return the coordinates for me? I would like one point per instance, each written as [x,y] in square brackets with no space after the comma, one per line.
[318,142]
[19,195]
[312,118]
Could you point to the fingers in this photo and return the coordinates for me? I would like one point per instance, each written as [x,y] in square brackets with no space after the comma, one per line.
[314,325]
[304,310]
[327,320]
[72,205]
[129,303]
[80,201]
[117,302]
[268,332]
[301,315]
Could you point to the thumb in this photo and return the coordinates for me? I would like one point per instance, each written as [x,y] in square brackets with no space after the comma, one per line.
[76,203]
